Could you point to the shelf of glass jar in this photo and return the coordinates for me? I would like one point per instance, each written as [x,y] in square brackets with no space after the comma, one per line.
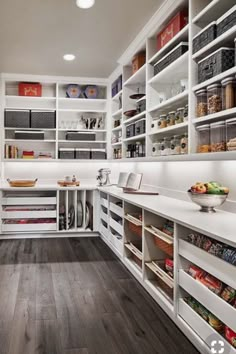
[170,146]
[135,150]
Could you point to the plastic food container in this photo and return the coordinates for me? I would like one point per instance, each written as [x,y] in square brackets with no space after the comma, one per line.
[201,109]
[156,149]
[231,134]
[204,145]
[214,98]
[175,147]
[228,93]
[218,137]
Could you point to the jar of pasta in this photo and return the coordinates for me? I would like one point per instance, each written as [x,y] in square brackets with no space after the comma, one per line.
[228,93]
[171,119]
[218,137]
[204,145]
[162,123]
[201,109]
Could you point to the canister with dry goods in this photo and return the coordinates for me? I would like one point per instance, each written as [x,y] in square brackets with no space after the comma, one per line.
[179,117]
[228,93]
[175,145]
[162,123]
[218,137]
[203,138]
[170,119]
[184,144]
[214,98]
[231,134]
[201,110]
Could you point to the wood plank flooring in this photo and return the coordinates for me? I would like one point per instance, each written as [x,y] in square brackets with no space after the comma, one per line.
[73,296]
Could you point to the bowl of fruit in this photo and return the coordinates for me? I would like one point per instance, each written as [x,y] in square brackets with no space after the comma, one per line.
[208,195]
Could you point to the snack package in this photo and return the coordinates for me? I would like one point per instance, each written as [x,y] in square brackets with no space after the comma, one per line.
[216,249]
[195,272]
[211,283]
[169,265]
[230,336]
[215,323]
[228,294]
[194,304]
[203,312]
[192,238]
[207,244]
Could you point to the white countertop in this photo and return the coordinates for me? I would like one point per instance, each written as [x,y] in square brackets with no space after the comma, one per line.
[220,225]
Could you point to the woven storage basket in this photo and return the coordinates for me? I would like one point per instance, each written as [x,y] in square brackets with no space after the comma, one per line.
[169,291]
[136,229]
[164,246]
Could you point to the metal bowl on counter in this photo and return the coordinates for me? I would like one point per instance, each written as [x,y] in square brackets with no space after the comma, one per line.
[208,202]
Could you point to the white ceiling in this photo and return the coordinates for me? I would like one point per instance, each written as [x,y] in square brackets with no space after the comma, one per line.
[34,35]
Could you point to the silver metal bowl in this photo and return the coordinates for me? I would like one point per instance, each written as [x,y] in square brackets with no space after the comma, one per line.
[208,202]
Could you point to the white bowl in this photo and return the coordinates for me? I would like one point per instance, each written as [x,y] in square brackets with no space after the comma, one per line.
[208,202]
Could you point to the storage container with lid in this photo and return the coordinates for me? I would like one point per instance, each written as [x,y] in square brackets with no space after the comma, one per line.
[98,154]
[184,144]
[167,150]
[156,149]
[204,145]
[140,126]
[170,119]
[201,109]
[218,137]
[214,98]
[204,37]
[83,154]
[231,134]
[175,145]
[228,93]
[162,122]
[162,147]
[179,117]
[186,113]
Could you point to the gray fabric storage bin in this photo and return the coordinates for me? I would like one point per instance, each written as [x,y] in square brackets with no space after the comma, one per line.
[43,119]
[170,57]
[204,37]
[29,135]
[216,63]
[140,126]
[98,154]
[82,136]
[66,153]
[130,130]
[227,21]
[17,118]
[83,154]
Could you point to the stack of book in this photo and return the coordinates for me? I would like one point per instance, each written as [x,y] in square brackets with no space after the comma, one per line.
[11,152]
[45,155]
[28,155]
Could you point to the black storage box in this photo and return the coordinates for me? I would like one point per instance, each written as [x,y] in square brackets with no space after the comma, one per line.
[170,57]
[204,37]
[130,130]
[82,136]
[29,135]
[216,63]
[140,126]
[83,154]
[98,154]
[66,153]
[17,118]
[43,119]
[227,21]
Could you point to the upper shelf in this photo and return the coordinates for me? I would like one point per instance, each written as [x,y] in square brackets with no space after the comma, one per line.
[171,103]
[138,78]
[213,11]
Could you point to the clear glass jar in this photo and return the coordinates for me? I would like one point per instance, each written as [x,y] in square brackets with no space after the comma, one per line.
[167,150]
[186,113]
[184,144]
[175,145]
[204,144]
[228,93]
[170,119]
[218,137]
[214,98]
[201,109]
[162,147]
[156,149]
[231,134]
[162,123]
[179,117]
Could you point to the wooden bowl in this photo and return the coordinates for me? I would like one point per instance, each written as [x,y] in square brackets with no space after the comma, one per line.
[130,113]
[22,182]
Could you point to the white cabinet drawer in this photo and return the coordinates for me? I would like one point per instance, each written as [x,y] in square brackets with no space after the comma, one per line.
[117,244]
[104,216]
[116,209]
[200,326]
[104,231]
[29,201]
[104,202]
[33,214]
[220,308]
[116,226]
[29,227]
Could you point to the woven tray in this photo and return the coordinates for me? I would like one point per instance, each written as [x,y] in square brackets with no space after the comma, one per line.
[22,182]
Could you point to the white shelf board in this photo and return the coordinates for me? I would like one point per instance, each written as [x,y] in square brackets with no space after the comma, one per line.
[117,113]
[31,98]
[177,129]
[141,99]
[117,144]
[177,70]
[138,78]
[136,137]
[84,130]
[117,128]
[82,100]
[225,40]
[213,11]
[182,98]
[83,141]
[116,97]
[30,140]
[26,107]
[41,129]
[216,78]
[229,113]
[134,118]
[82,110]
[181,36]
[30,160]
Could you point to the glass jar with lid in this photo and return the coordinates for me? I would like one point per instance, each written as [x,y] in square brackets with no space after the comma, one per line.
[156,148]
[186,113]
[175,145]
[171,119]
[231,134]
[162,122]
[179,117]
[218,137]
[214,98]
[162,147]
[184,144]
[204,144]
[228,93]
[167,146]
[201,109]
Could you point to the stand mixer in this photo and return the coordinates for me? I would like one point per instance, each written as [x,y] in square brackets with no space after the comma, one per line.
[103,177]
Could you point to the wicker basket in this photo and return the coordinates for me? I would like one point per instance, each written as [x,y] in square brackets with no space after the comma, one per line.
[164,246]
[136,229]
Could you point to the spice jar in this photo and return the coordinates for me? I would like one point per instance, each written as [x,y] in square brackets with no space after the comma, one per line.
[203,138]
[162,147]
[186,113]
[179,117]
[175,145]
[184,144]
[167,146]
[228,93]
[214,99]
[201,110]
[231,134]
[170,119]
[162,123]
[218,137]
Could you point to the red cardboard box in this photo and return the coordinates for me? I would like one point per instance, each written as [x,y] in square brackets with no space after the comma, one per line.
[30,89]
[176,24]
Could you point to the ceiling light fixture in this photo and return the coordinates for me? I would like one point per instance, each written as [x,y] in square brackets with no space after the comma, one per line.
[85,4]
[69,57]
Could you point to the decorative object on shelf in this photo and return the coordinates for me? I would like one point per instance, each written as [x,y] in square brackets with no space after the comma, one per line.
[30,89]
[137,96]
[93,122]
[138,61]
[204,37]
[73,91]
[170,57]
[91,92]
[22,183]
[130,113]
[175,25]
[184,85]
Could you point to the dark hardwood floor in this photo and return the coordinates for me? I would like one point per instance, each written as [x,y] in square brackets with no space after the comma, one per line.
[73,296]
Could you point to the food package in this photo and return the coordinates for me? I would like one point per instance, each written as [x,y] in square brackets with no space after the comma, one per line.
[215,323]
[211,283]
[194,304]
[228,294]
[195,272]
[169,265]
[230,336]
[203,312]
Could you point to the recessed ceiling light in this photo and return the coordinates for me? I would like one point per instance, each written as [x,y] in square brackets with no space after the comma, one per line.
[85,4]
[69,57]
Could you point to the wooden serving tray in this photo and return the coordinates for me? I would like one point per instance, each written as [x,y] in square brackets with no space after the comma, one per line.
[68,184]
[22,183]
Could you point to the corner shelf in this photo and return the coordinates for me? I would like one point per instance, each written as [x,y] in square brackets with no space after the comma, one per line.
[137,78]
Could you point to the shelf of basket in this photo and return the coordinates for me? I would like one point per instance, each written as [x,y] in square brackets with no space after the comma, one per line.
[172,103]
[213,11]
[229,113]
[134,118]
[175,129]
[214,79]
[138,78]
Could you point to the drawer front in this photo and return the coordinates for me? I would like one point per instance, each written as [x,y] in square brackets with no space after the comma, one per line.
[29,201]
[29,214]
[116,209]
[116,226]
[117,244]
[104,202]
[29,227]
[104,231]
[104,216]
